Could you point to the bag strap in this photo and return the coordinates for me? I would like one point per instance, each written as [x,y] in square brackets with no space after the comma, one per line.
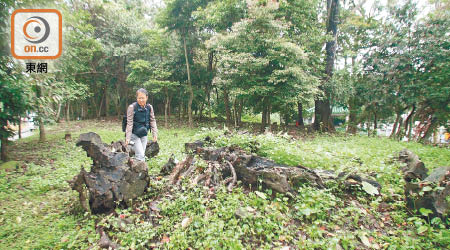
[135,105]
[147,115]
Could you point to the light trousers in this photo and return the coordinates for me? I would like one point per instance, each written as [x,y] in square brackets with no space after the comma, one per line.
[139,146]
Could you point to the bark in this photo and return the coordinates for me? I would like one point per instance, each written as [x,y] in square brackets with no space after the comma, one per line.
[226,100]
[322,116]
[301,125]
[429,128]
[166,107]
[169,103]
[40,119]
[20,128]
[323,120]
[234,112]
[264,115]
[42,134]
[375,123]
[398,135]
[239,117]
[67,111]
[4,150]
[191,92]
[106,100]
[408,122]
[253,170]
[114,176]
[419,186]
[100,107]
[58,113]
[180,108]
[208,89]
[394,127]
[352,117]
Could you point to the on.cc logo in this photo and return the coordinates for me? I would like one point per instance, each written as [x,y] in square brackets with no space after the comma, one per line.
[36,34]
[37,29]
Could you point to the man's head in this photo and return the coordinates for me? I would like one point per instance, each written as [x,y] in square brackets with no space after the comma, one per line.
[141,96]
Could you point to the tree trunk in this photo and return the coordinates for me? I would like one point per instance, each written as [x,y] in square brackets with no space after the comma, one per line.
[67,111]
[264,115]
[352,117]
[106,100]
[191,92]
[430,127]
[166,108]
[239,117]
[235,111]
[100,107]
[4,151]
[169,102]
[322,116]
[408,119]
[375,123]
[301,125]
[410,128]
[226,100]
[398,135]
[394,127]
[41,121]
[82,111]
[323,109]
[41,130]
[58,113]
[20,128]
[180,109]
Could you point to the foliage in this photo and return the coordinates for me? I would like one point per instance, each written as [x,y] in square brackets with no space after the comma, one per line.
[242,219]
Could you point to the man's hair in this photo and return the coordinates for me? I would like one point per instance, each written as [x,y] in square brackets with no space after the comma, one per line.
[143,91]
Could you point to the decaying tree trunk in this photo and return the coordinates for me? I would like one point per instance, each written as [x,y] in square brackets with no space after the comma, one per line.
[414,169]
[227,165]
[114,176]
[423,191]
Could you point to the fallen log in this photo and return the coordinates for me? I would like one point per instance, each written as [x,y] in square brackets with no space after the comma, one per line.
[226,165]
[414,168]
[423,191]
[114,176]
[152,149]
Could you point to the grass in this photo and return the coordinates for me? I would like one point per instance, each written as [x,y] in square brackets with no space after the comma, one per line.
[39,211]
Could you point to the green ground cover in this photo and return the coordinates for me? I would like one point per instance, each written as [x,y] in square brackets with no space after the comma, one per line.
[39,211]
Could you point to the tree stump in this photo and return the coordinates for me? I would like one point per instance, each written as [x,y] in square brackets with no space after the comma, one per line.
[114,176]
[423,191]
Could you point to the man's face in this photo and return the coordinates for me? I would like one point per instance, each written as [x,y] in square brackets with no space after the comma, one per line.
[141,99]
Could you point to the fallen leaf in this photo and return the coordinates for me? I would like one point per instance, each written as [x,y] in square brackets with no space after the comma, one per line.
[369,188]
[261,195]
[365,240]
[18,219]
[65,238]
[165,239]
[250,209]
[186,222]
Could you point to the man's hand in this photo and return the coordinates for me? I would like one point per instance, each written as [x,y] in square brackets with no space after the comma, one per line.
[126,142]
[155,139]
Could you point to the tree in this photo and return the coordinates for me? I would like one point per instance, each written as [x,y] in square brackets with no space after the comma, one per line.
[322,109]
[177,17]
[14,100]
[256,61]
